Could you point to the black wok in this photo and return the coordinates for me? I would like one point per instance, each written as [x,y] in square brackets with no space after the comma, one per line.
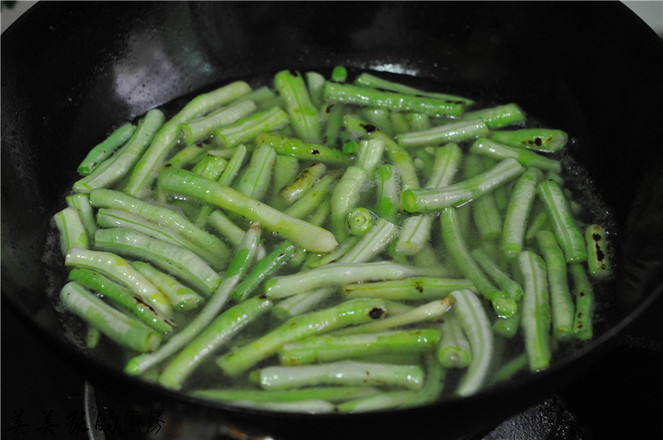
[71,71]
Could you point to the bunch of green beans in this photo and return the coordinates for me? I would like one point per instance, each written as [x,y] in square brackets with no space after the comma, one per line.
[341,244]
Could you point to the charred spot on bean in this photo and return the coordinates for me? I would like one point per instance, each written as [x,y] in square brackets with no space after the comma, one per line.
[581,293]
[538,142]
[377,313]
[294,73]
[370,128]
[315,151]
[599,253]
[262,296]
[419,286]
[168,165]
[579,314]
[329,108]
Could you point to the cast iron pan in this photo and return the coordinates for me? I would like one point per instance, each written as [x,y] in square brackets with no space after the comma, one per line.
[72,71]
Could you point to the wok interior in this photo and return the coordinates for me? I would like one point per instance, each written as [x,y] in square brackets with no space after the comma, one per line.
[71,73]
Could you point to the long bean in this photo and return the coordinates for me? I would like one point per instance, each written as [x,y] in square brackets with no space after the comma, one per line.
[344,314]
[104,149]
[536,315]
[368,96]
[121,328]
[308,236]
[453,240]
[147,168]
[474,321]
[560,296]
[243,258]
[433,199]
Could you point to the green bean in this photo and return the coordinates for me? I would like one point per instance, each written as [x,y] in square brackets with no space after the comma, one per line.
[81,203]
[433,199]
[508,327]
[536,315]
[234,165]
[487,218]
[380,118]
[567,233]
[315,196]
[499,116]
[370,80]
[326,348]
[300,149]
[187,155]
[263,269]
[122,297]
[474,321]
[371,243]
[71,230]
[218,333]
[598,258]
[117,218]
[249,127]
[285,170]
[452,237]
[560,296]
[584,295]
[164,217]
[345,197]
[336,254]
[537,139]
[121,328]
[302,182]
[257,175]
[430,311]
[200,129]
[418,121]
[180,262]
[315,83]
[179,295]
[104,149]
[337,274]
[345,373]
[122,162]
[399,157]
[527,158]
[332,394]
[301,233]
[416,230]
[360,221]
[399,122]
[350,147]
[518,212]
[303,302]
[388,198]
[383,401]
[147,168]
[240,264]
[339,74]
[118,269]
[499,277]
[454,350]
[210,166]
[349,312]
[411,289]
[371,97]
[456,131]
[510,369]
[301,111]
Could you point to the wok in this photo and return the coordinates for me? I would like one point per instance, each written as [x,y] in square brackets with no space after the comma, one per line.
[72,71]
